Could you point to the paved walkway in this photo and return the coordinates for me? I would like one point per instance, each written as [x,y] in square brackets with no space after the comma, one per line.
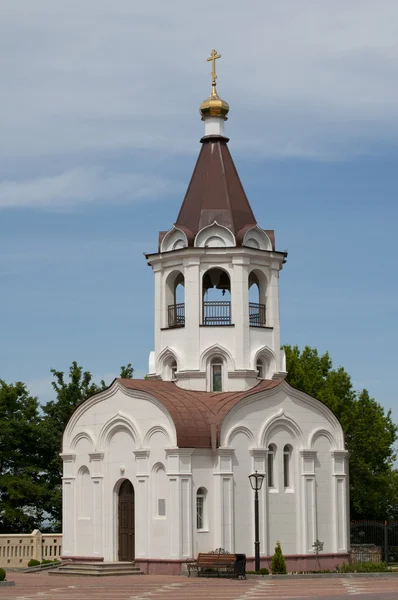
[153,587]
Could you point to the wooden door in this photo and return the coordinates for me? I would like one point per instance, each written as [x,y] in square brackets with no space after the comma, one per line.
[126,522]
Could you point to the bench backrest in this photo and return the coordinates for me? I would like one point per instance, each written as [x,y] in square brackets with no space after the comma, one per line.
[209,559]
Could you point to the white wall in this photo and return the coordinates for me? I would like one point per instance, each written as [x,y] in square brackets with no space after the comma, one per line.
[122,434]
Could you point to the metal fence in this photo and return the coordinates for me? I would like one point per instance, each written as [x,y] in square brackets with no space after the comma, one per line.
[256,314]
[374,541]
[176,316]
[217,312]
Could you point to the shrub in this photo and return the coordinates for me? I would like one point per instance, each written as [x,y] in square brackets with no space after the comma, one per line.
[278,563]
[45,561]
[368,567]
[262,571]
[33,563]
[2,575]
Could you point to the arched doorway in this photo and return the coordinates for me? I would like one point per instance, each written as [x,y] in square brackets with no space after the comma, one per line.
[126,522]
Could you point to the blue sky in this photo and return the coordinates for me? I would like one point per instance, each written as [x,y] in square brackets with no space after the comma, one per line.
[100,133]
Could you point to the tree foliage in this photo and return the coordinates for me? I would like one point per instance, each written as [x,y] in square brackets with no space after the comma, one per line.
[23,483]
[278,563]
[369,432]
[30,443]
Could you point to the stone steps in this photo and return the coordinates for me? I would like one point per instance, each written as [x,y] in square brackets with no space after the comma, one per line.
[96,569]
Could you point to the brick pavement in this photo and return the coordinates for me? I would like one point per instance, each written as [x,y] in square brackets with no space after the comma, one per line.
[154,587]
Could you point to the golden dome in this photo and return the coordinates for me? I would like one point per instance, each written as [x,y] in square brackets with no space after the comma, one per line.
[214,106]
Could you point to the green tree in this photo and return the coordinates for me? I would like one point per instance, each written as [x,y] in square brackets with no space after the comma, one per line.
[278,563]
[24,492]
[127,372]
[369,432]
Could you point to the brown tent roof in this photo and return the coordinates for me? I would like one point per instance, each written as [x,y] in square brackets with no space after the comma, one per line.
[215,193]
[197,416]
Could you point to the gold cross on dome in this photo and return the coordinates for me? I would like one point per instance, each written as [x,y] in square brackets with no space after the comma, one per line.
[213,57]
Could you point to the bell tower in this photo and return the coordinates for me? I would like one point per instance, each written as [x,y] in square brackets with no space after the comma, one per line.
[216,277]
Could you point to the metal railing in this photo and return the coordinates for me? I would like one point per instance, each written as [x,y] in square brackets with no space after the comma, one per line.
[216,312]
[176,315]
[256,314]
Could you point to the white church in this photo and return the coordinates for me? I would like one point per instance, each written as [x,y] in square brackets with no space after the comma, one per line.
[156,470]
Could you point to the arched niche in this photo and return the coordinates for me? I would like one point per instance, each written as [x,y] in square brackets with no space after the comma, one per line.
[216,362]
[216,294]
[257,238]
[175,239]
[168,364]
[85,493]
[175,299]
[215,236]
[257,283]
[264,363]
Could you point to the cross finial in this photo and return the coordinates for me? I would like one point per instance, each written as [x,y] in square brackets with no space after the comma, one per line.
[213,57]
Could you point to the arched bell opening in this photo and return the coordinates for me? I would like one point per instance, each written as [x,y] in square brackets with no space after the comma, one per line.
[175,299]
[257,299]
[216,297]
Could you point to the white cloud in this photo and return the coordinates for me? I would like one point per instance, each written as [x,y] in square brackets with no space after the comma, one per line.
[79,186]
[304,78]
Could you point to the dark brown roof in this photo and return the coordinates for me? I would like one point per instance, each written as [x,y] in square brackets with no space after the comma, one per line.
[197,416]
[215,193]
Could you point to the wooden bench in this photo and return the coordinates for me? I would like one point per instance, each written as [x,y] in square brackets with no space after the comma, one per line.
[218,560]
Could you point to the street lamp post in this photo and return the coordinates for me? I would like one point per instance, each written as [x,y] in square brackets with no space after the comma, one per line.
[256,481]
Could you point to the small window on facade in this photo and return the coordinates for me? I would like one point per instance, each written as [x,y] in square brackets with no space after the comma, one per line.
[161,507]
[287,451]
[173,370]
[216,376]
[260,369]
[200,508]
[271,460]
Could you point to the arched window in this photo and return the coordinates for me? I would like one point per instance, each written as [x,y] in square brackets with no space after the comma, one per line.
[271,465]
[201,508]
[287,456]
[216,298]
[216,374]
[173,368]
[175,300]
[257,299]
[169,368]
[260,369]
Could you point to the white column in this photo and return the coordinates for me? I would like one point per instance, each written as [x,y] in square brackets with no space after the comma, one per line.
[141,499]
[340,500]
[272,310]
[240,311]
[160,311]
[308,500]
[224,534]
[68,504]
[259,463]
[179,471]
[97,478]
[193,314]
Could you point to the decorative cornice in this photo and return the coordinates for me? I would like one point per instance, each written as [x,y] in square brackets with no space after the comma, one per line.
[68,457]
[142,453]
[191,374]
[308,453]
[179,451]
[258,452]
[340,453]
[242,373]
[225,452]
[96,456]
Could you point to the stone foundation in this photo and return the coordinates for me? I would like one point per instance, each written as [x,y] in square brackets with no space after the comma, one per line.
[294,562]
